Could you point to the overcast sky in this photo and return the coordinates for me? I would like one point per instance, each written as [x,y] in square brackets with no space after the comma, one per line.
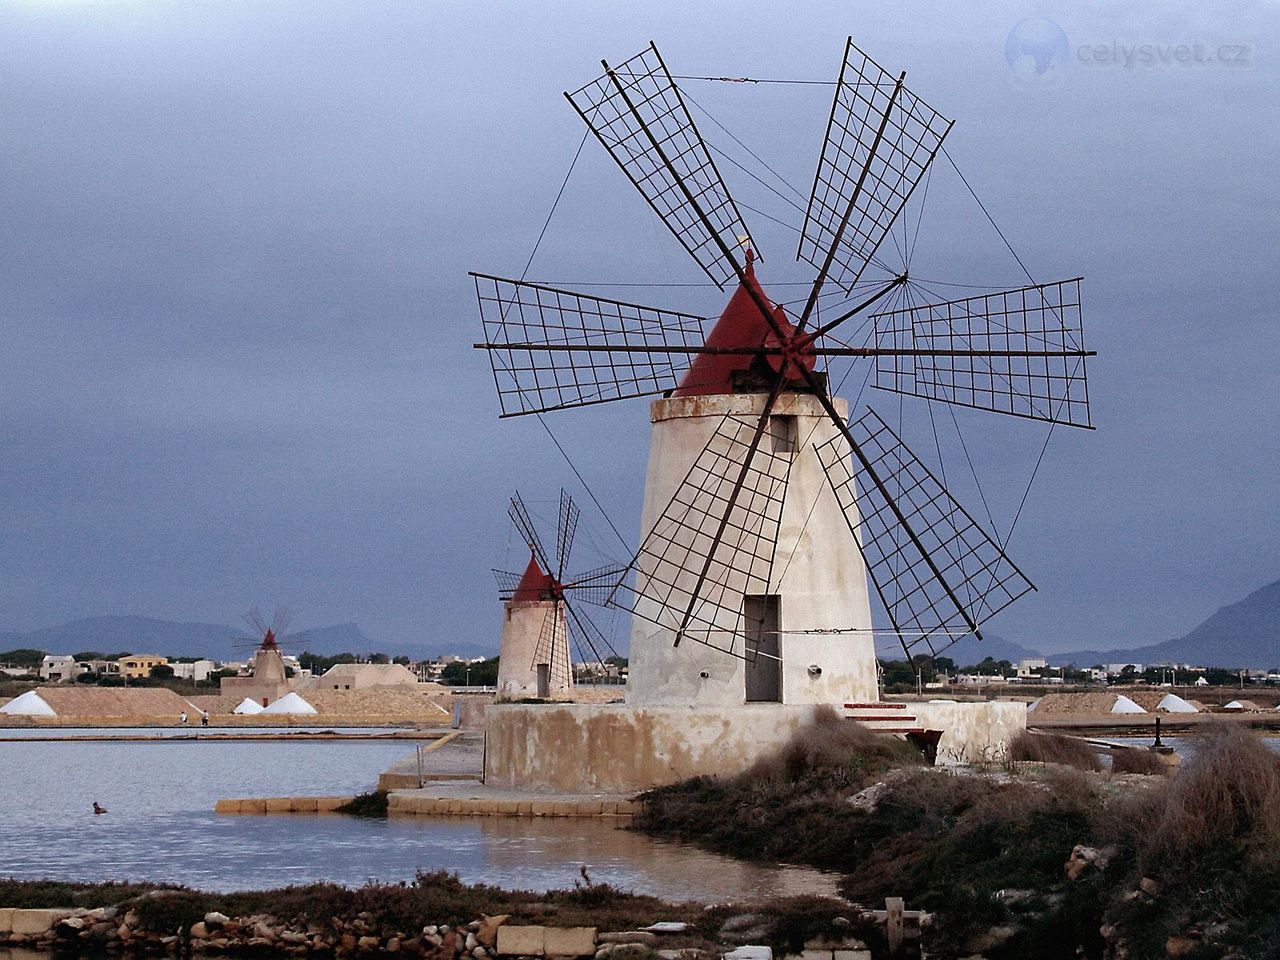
[236,364]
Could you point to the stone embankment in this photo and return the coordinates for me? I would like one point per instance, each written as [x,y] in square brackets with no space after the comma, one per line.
[116,931]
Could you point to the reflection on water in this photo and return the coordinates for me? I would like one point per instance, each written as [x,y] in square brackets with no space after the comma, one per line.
[161,826]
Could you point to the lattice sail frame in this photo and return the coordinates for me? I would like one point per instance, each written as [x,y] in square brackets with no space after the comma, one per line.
[660,585]
[1018,352]
[949,578]
[636,111]
[880,140]
[531,380]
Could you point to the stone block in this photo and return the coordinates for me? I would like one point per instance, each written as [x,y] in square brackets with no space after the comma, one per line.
[541,808]
[524,809]
[279,805]
[810,954]
[253,806]
[851,954]
[330,804]
[564,808]
[35,921]
[227,806]
[750,952]
[6,919]
[521,941]
[569,941]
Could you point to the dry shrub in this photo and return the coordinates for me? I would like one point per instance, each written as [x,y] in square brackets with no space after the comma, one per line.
[1225,799]
[833,748]
[1054,748]
[1134,760]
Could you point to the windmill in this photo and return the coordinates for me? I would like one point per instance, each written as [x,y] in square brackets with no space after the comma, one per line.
[768,507]
[540,621]
[267,665]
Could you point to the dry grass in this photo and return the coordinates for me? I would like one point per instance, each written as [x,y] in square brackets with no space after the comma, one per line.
[1136,761]
[1054,748]
[834,748]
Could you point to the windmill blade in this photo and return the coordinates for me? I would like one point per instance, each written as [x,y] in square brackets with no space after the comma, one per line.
[715,541]
[880,140]
[595,586]
[281,619]
[551,348]
[508,583]
[552,647]
[637,113]
[564,532]
[1018,352]
[253,618]
[586,637]
[938,574]
[519,515]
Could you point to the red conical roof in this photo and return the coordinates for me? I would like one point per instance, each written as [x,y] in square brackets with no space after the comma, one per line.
[741,325]
[534,585]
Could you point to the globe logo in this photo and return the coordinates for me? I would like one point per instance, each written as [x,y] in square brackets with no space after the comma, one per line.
[1036,51]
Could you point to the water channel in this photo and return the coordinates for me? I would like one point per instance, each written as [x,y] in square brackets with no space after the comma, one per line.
[161,826]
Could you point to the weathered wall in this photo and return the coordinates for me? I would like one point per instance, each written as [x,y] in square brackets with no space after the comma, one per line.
[972,732]
[522,627]
[620,749]
[818,571]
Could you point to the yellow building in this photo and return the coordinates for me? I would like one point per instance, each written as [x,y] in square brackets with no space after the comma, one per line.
[137,666]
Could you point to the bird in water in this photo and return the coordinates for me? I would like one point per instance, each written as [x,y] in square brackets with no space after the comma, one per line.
[98,809]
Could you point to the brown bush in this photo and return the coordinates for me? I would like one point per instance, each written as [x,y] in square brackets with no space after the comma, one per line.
[1054,748]
[834,748]
[1225,798]
[1134,760]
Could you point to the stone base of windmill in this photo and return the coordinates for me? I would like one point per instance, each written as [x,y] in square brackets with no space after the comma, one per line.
[619,748]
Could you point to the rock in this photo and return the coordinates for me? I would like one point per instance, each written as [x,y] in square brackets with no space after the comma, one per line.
[742,921]
[131,919]
[667,926]
[434,939]
[1177,946]
[479,953]
[393,945]
[1150,886]
[260,942]
[347,942]
[430,929]
[841,923]
[264,931]
[642,937]
[1084,858]
[123,931]
[473,926]
[199,930]
[471,942]
[750,952]
[487,932]
[216,919]
[868,799]
[293,936]
[367,943]
[72,924]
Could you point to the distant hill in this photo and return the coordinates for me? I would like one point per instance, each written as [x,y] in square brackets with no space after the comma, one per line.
[1245,634]
[967,651]
[172,638]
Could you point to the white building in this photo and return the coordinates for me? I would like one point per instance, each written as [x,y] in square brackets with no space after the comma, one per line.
[58,669]
[1028,667]
[198,671]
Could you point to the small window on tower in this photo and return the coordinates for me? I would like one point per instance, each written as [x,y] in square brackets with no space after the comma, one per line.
[782,434]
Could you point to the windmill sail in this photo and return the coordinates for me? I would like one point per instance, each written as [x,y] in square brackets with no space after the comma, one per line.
[636,111]
[1019,352]
[880,140]
[551,349]
[715,542]
[937,573]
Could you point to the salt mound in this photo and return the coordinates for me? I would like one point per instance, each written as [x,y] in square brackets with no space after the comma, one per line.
[248,705]
[1172,703]
[290,703]
[29,704]
[1124,705]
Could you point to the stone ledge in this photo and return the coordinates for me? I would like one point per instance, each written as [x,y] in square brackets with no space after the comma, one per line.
[401,804]
[281,805]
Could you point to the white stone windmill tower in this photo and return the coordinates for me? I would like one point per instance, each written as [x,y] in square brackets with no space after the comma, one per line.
[772,517]
[539,620]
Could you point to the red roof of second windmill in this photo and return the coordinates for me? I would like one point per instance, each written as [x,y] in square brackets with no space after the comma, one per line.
[534,585]
[741,325]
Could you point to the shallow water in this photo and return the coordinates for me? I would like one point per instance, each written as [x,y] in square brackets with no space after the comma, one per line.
[161,826]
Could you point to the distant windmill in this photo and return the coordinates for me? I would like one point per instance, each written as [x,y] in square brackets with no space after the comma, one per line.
[267,664]
[767,506]
[540,621]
